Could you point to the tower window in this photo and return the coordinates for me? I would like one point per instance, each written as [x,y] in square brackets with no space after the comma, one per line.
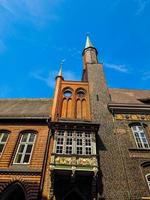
[81,93]
[74,143]
[140,137]
[25,148]
[67,93]
[97,97]
[3,141]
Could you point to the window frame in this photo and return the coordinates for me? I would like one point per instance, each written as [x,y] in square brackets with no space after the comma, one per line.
[139,136]
[74,145]
[4,132]
[147,181]
[25,148]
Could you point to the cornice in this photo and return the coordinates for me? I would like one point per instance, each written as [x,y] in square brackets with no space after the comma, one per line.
[128,108]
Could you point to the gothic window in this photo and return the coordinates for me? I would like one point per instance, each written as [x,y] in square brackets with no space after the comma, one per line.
[25,148]
[66,111]
[67,93]
[81,104]
[148,180]
[80,93]
[139,135]
[3,140]
[80,143]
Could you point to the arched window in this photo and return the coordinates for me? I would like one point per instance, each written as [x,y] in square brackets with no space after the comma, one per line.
[79,109]
[13,192]
[81,104]
[148,180]
[66,110]
[3,140]
[140,136]
[25,148]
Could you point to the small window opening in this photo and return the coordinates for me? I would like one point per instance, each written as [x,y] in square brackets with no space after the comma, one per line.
[97,97]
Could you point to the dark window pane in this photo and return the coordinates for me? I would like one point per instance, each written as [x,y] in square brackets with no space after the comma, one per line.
[69,134]
[26,158]
[29,148]
[60,141]
[32,136]
[1,147]
[69,141]
[21,148]
[68,150]
[88,150]
[24,137]
[18,158]
[79,142]
[61,134]
[59,149]
[4,138]
[79,150]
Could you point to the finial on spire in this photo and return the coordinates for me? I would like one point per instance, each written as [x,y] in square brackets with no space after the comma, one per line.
[88,42]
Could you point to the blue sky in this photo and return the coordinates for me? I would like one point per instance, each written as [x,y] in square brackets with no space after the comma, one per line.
[35,35]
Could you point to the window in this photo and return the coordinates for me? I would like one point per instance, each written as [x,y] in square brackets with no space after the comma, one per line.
[67,93]
[3,140]
[68,142]
[80,93]
[25,148]
[148,180]
[140,137]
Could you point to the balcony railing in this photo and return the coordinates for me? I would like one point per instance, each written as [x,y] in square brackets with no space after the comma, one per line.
[77,162]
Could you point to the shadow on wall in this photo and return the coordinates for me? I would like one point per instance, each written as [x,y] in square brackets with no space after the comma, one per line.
[19,190]
[44,198]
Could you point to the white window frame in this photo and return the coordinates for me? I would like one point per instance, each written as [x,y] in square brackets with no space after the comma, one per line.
[138,131]
[25,148]
[148,181]
[3,132]
[75,137]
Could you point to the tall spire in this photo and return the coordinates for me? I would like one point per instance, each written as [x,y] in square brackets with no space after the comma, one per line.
[60,70]
[88,42]
[89,53]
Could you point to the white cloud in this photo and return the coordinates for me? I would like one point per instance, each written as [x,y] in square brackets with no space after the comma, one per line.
[50,79]
[119,68]
[141,5]
[37,11]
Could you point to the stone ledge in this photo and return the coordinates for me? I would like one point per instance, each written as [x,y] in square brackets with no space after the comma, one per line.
[139,153]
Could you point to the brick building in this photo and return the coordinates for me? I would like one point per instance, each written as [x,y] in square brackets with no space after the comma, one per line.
[89,142]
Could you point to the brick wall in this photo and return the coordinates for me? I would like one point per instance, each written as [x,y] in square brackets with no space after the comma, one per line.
[112,183]
[27,174]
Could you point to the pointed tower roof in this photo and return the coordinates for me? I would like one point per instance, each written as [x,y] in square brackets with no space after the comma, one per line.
[60,71]
[88,42]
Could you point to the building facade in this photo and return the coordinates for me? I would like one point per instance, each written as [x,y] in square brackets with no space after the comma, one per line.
[89,142]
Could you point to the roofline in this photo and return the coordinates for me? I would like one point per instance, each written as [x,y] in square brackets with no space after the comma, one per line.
[25,117]
[126,107]
[133,89]
[25,99]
